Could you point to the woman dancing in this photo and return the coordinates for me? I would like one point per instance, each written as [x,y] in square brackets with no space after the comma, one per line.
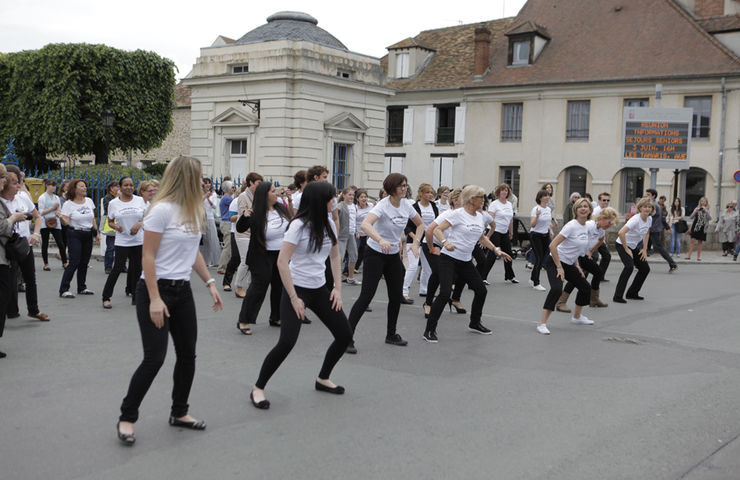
[632,242]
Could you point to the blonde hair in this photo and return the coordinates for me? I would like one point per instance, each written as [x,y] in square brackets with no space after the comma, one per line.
[608,214]
[645,201]
[423,188]
[471,191]
[181,185]
[454,195]
[578,203]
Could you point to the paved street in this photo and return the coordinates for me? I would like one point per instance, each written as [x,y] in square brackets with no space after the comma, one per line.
[652,391]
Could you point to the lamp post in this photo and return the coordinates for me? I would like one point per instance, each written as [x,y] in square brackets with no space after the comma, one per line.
[108,119]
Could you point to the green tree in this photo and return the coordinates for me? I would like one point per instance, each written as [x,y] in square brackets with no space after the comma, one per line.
[52,100]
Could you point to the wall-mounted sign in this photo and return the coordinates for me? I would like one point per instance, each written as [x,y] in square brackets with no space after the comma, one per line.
[656,137]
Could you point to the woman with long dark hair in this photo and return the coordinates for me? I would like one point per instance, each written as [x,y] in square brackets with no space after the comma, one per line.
[467,227]
[384,225]
[310,239]
[164,300]
[126,217]
[562,265]
[632,241]
[267,220]
[676,213]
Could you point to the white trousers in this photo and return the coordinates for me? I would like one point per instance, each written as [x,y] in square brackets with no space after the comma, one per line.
[426,271]
[242,274]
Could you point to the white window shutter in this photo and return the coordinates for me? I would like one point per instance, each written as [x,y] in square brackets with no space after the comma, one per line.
[436,168]
[408,126]
[431,125]
[460,125]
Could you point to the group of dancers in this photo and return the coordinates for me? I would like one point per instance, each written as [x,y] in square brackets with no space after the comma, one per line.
[295,248]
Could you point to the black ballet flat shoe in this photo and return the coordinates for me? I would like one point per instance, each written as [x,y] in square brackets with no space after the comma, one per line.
[619,300]
[196,425]
[263,405]
[3,354]
[274,323]
[338,390]
[634,297]
[351,349]
[306,321]
[127,439]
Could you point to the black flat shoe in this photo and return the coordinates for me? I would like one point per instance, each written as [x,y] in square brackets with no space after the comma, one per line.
[127,439]
[619,300]
[306,320]
[263,405]
[396,339]
[107,305]
[274,323]
[338,390]
[351,349]
[196,425]
[3,354]
[407,301]
[634,297]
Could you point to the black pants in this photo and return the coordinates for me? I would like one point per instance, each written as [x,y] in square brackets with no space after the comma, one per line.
[391,268]
[58,239]
[657,238]
[728,247]
[317,300]
[133,254]
[234,261]
[630,263]
[502,241]
[80,249]
[261,279]
[183,327]
[605,258]
[28,271]
[5,289]
[540,244]
[361,246]
[588,265]
[466,273]
[433,282]
[556,285]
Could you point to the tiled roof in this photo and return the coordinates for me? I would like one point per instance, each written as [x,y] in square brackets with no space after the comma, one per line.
[409,43]
[452,64]
[528,27]
[590,41]
[725,23]
[182,95]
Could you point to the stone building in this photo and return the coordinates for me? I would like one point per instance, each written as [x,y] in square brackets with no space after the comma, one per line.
[539,98]
[285,96]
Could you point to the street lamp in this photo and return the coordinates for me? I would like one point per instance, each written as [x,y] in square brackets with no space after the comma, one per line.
[108,119]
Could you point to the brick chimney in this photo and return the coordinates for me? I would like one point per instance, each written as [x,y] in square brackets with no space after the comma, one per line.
[482,50]
[709,8]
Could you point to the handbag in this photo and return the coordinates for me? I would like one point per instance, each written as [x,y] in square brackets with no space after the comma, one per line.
[682,226]
[17,248]
[50,222]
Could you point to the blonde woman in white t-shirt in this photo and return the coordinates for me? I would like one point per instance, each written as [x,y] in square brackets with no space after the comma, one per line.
[164,300]
[632,241]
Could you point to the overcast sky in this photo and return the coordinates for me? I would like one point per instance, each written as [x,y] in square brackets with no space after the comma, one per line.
[177,30]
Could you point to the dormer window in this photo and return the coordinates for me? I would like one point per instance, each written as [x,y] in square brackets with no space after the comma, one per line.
[244,68]
[402,65]
[526,42]
[520,53]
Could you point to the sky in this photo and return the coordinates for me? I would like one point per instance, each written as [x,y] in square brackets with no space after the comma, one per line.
[177,30]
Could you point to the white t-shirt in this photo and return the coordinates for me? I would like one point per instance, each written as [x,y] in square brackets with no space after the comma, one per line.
[233,209]
[352,210]
[307,266]
[274,230]
[442,207]
[297,199]
[502,214]
[637,232]
[127,214]
[81,216]
[594,234]
[427,214]
[543,223]
[21,203]
[46,201]
[178,247]
[465,231]
[575,244]
[391,222]
[361,214]
[597,210]
[441,218]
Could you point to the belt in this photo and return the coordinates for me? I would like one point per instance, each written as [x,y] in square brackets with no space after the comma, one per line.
[165,282]
[82,229]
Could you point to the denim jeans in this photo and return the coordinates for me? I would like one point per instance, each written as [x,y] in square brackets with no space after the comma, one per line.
[675,242]
[80,244]
[110,251]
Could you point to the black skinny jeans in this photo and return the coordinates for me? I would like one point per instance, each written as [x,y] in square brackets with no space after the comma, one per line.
[80,249]
[502,241]
[590,266]
[657,239]
[133,254]
[391,268]
[433,282]
[605,258]
[451,269]
[234,261]
[183,327]
[261,279]
[572,275]
[361,246]
[5,289]
[540,244]
[630,263]
[316,299]
[58,239]
[28,271]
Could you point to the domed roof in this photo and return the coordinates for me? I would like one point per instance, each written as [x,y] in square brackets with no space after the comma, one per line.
[291,26]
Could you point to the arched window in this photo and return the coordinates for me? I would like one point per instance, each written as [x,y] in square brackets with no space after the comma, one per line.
[696,187]
[633,187]
[575,181]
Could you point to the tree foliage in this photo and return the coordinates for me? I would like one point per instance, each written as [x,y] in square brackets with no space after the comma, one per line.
[52,100]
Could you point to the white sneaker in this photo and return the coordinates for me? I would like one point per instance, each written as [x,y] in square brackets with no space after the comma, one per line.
[352,281]
[542,328]
[531,283]
[539,288]
[582,320]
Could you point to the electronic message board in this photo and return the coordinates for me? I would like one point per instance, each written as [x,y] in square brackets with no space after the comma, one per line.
[656,137]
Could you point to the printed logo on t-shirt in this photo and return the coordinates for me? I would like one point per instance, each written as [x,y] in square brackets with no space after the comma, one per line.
[399,220]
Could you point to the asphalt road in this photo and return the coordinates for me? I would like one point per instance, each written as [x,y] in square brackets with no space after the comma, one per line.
[651,391]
